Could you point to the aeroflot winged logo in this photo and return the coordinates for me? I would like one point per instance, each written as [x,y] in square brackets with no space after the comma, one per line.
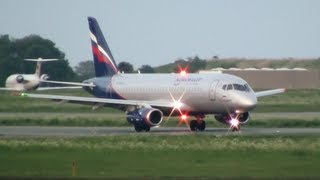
[101,54]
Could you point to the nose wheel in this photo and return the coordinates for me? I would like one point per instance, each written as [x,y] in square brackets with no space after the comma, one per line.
[235,129]
[198,124]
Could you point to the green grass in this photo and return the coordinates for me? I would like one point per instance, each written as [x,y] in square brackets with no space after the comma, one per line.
[16,103]
[291,101]
[15,110]
[162,156]
[119,119]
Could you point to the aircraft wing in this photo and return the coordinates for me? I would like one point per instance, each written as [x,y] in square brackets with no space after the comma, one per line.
[69,83]
[269,92]
[9,89]
[42,88]
[94,101]
[55,88]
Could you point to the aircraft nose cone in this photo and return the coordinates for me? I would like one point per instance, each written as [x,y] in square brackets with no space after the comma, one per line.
[248,103]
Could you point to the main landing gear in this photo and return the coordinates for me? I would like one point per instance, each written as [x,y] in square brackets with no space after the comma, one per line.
[140,128]
[198,124]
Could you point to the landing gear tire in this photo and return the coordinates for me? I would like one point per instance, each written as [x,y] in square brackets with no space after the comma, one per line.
[147,129]
[138,128]
[141,128]
[202,125]
[197,125]
[193,125]
[235,129]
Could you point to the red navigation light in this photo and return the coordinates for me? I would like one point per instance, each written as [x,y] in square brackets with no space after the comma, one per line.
[183,71]
[183,119]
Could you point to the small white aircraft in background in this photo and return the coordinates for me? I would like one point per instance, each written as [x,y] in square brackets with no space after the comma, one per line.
[28,82]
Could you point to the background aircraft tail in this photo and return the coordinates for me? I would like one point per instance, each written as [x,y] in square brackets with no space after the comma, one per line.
[103,60]
[39,62]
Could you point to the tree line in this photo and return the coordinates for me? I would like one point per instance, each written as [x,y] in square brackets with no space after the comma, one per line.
[14,51]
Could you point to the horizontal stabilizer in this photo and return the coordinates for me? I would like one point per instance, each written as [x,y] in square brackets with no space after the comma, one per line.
[41,60]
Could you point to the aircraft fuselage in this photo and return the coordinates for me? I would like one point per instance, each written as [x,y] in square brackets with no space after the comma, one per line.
[199,93]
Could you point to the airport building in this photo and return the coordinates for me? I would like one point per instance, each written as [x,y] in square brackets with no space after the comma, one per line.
[266,78]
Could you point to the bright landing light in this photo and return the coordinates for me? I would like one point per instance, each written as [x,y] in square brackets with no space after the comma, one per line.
[177,104]
[234,122]
[183,73]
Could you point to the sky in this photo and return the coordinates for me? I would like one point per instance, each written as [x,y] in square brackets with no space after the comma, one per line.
[157,32]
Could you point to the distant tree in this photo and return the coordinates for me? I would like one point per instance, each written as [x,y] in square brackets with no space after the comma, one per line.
[146,69]
[181,64]
[85,70]
[191,65]
[197,64]
[125,67]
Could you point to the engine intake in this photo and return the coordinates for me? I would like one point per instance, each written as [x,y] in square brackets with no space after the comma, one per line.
[19,78]
[145,117]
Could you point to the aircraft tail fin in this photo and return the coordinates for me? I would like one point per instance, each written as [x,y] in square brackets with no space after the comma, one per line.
[103,60]
[39,63]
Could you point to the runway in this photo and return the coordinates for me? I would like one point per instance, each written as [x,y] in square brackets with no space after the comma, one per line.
[42,131]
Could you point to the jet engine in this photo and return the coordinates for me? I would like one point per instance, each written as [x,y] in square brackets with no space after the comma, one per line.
[225,118]
[144,118]
[19,78]
[44,77]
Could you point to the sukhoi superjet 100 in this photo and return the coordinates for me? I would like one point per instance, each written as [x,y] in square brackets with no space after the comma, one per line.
[151,99]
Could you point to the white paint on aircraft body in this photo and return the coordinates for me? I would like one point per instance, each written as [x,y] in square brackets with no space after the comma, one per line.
[201,92]
[30,82]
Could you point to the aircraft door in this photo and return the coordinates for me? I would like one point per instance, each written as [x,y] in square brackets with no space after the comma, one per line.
[212,91]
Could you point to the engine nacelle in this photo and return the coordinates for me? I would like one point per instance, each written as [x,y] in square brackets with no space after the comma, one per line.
[225,118]
[244,117]
[19,78]
[145,117]
[44,77]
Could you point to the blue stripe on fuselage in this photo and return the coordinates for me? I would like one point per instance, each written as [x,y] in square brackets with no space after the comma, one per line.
[103,88]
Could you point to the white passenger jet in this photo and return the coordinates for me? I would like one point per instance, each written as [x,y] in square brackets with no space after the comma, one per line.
[147,98]
[27,82]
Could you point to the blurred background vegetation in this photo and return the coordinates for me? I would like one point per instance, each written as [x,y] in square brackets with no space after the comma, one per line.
[13,51]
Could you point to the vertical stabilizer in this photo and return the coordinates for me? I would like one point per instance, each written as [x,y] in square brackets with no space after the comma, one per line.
[104,63]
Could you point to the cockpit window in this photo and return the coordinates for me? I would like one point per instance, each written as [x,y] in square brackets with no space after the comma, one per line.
[224,87]
[240,87]
[229,87]
[247,88]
